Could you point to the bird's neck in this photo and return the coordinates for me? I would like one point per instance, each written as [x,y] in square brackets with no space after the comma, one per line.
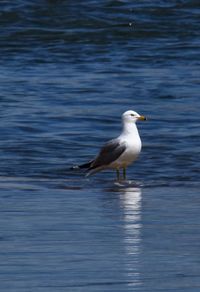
[130,129]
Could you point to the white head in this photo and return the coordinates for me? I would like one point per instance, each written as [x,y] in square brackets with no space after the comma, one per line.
[132,117]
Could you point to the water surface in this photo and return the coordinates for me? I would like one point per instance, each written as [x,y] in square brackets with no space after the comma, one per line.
[68,72]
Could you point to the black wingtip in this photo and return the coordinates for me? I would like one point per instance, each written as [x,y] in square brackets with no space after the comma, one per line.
[85,165]
[75,167]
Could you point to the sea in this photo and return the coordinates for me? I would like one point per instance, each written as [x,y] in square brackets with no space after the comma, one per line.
[68,70]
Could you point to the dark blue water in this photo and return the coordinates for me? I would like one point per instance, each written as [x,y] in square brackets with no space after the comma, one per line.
[68,71]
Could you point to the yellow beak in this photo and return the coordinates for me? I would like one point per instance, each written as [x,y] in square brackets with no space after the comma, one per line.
[142,118]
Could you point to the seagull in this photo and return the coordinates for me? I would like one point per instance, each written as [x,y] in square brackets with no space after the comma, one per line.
[120,152]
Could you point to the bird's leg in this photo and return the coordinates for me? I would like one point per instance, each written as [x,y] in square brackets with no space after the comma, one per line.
[124,173]
[118,174]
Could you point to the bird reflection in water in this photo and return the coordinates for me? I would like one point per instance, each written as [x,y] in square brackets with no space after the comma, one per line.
[130,199]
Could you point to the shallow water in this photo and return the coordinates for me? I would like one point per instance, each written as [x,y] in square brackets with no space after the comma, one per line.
[68,72]
[107,237]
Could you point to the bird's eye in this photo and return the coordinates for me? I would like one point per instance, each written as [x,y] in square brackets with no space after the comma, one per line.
[132,115]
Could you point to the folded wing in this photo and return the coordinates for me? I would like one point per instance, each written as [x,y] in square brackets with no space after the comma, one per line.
[110,152]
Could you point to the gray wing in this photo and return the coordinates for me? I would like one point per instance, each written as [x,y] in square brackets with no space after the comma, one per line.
[109,153]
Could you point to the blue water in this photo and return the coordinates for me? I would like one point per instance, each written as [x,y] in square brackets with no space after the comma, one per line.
[68,72]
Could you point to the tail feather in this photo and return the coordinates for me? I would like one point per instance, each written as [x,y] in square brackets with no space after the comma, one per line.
[93,170]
